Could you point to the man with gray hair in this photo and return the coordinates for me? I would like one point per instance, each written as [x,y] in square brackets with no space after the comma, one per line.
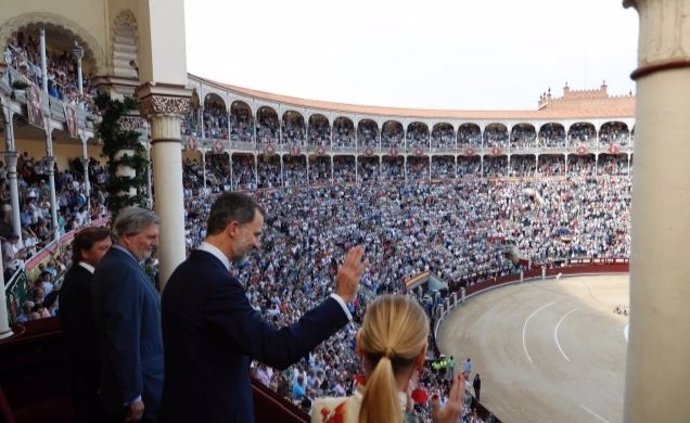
[127,316]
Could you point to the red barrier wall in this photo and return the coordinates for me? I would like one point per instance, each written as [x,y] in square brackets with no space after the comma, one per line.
[579,267]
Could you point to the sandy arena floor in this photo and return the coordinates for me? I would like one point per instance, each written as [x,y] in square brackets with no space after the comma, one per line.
[550,351]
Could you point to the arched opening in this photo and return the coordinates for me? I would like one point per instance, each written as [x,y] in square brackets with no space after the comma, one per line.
[469,167]
[368,169]
[418,168]
[319,133]
[469,136]
[294,170]
[581,133]
[614,133]
[218,173]
[496,166]
[612,164]
[523,165]
[267,126]
[293,129]
[344,134]
[392,134]
[523,136]
[60,31]
[552,135]
[215,117]
[496,135]
[443,136]
[268,171]
[344,169]
[367,133]
[241,122]
[442,167]
[243,172]
[124,41]
[392,168]
[551,165]
[319,170]
[582,165]
[417,136]
[63,48]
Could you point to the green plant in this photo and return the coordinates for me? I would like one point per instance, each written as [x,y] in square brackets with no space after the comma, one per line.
[115,139]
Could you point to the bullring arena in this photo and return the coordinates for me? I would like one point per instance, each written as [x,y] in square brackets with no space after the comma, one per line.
[547,351]
[465,198]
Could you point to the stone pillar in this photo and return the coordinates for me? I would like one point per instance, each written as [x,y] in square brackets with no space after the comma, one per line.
[282,171]
[356,167]
[256,171]
[49,161]
[164,99]
[87,183]
[203,166]
[164,107]
[11,161]
[201,123]
[307,159]
[44,61]
[5,331]
[149,177]
[657,372]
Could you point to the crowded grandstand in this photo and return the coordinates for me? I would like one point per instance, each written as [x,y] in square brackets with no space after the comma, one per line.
[464,197]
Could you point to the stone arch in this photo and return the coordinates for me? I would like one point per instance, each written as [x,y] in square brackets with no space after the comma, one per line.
[92,49]
[214,100]
[124,38]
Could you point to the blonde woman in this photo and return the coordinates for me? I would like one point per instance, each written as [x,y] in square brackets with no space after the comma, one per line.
[392,344]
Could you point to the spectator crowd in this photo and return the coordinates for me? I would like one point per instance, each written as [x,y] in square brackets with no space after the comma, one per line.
[412,216]
[452,229]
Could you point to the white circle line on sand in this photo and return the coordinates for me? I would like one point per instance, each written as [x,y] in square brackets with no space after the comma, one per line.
[524,328]
[594,414]
[555,332]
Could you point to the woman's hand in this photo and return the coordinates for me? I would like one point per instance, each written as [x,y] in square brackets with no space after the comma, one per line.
[453,408]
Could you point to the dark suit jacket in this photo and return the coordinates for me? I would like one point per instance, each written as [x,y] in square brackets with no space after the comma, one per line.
[127,316]
[211,333]
[81,342]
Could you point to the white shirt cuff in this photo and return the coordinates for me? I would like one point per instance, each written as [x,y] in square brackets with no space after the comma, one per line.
[127,404]
[340,301]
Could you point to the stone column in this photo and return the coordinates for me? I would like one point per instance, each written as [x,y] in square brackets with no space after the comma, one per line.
[5,331]
[203,166]
[657,373]
[87,183]
[11,161]
[49,161]
[149,177]
[164,107]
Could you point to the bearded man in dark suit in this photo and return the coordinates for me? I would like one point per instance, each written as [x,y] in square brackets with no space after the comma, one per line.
[211,332]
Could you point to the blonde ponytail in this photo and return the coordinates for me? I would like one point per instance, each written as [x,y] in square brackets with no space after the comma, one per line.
[380,403]
[393,335]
